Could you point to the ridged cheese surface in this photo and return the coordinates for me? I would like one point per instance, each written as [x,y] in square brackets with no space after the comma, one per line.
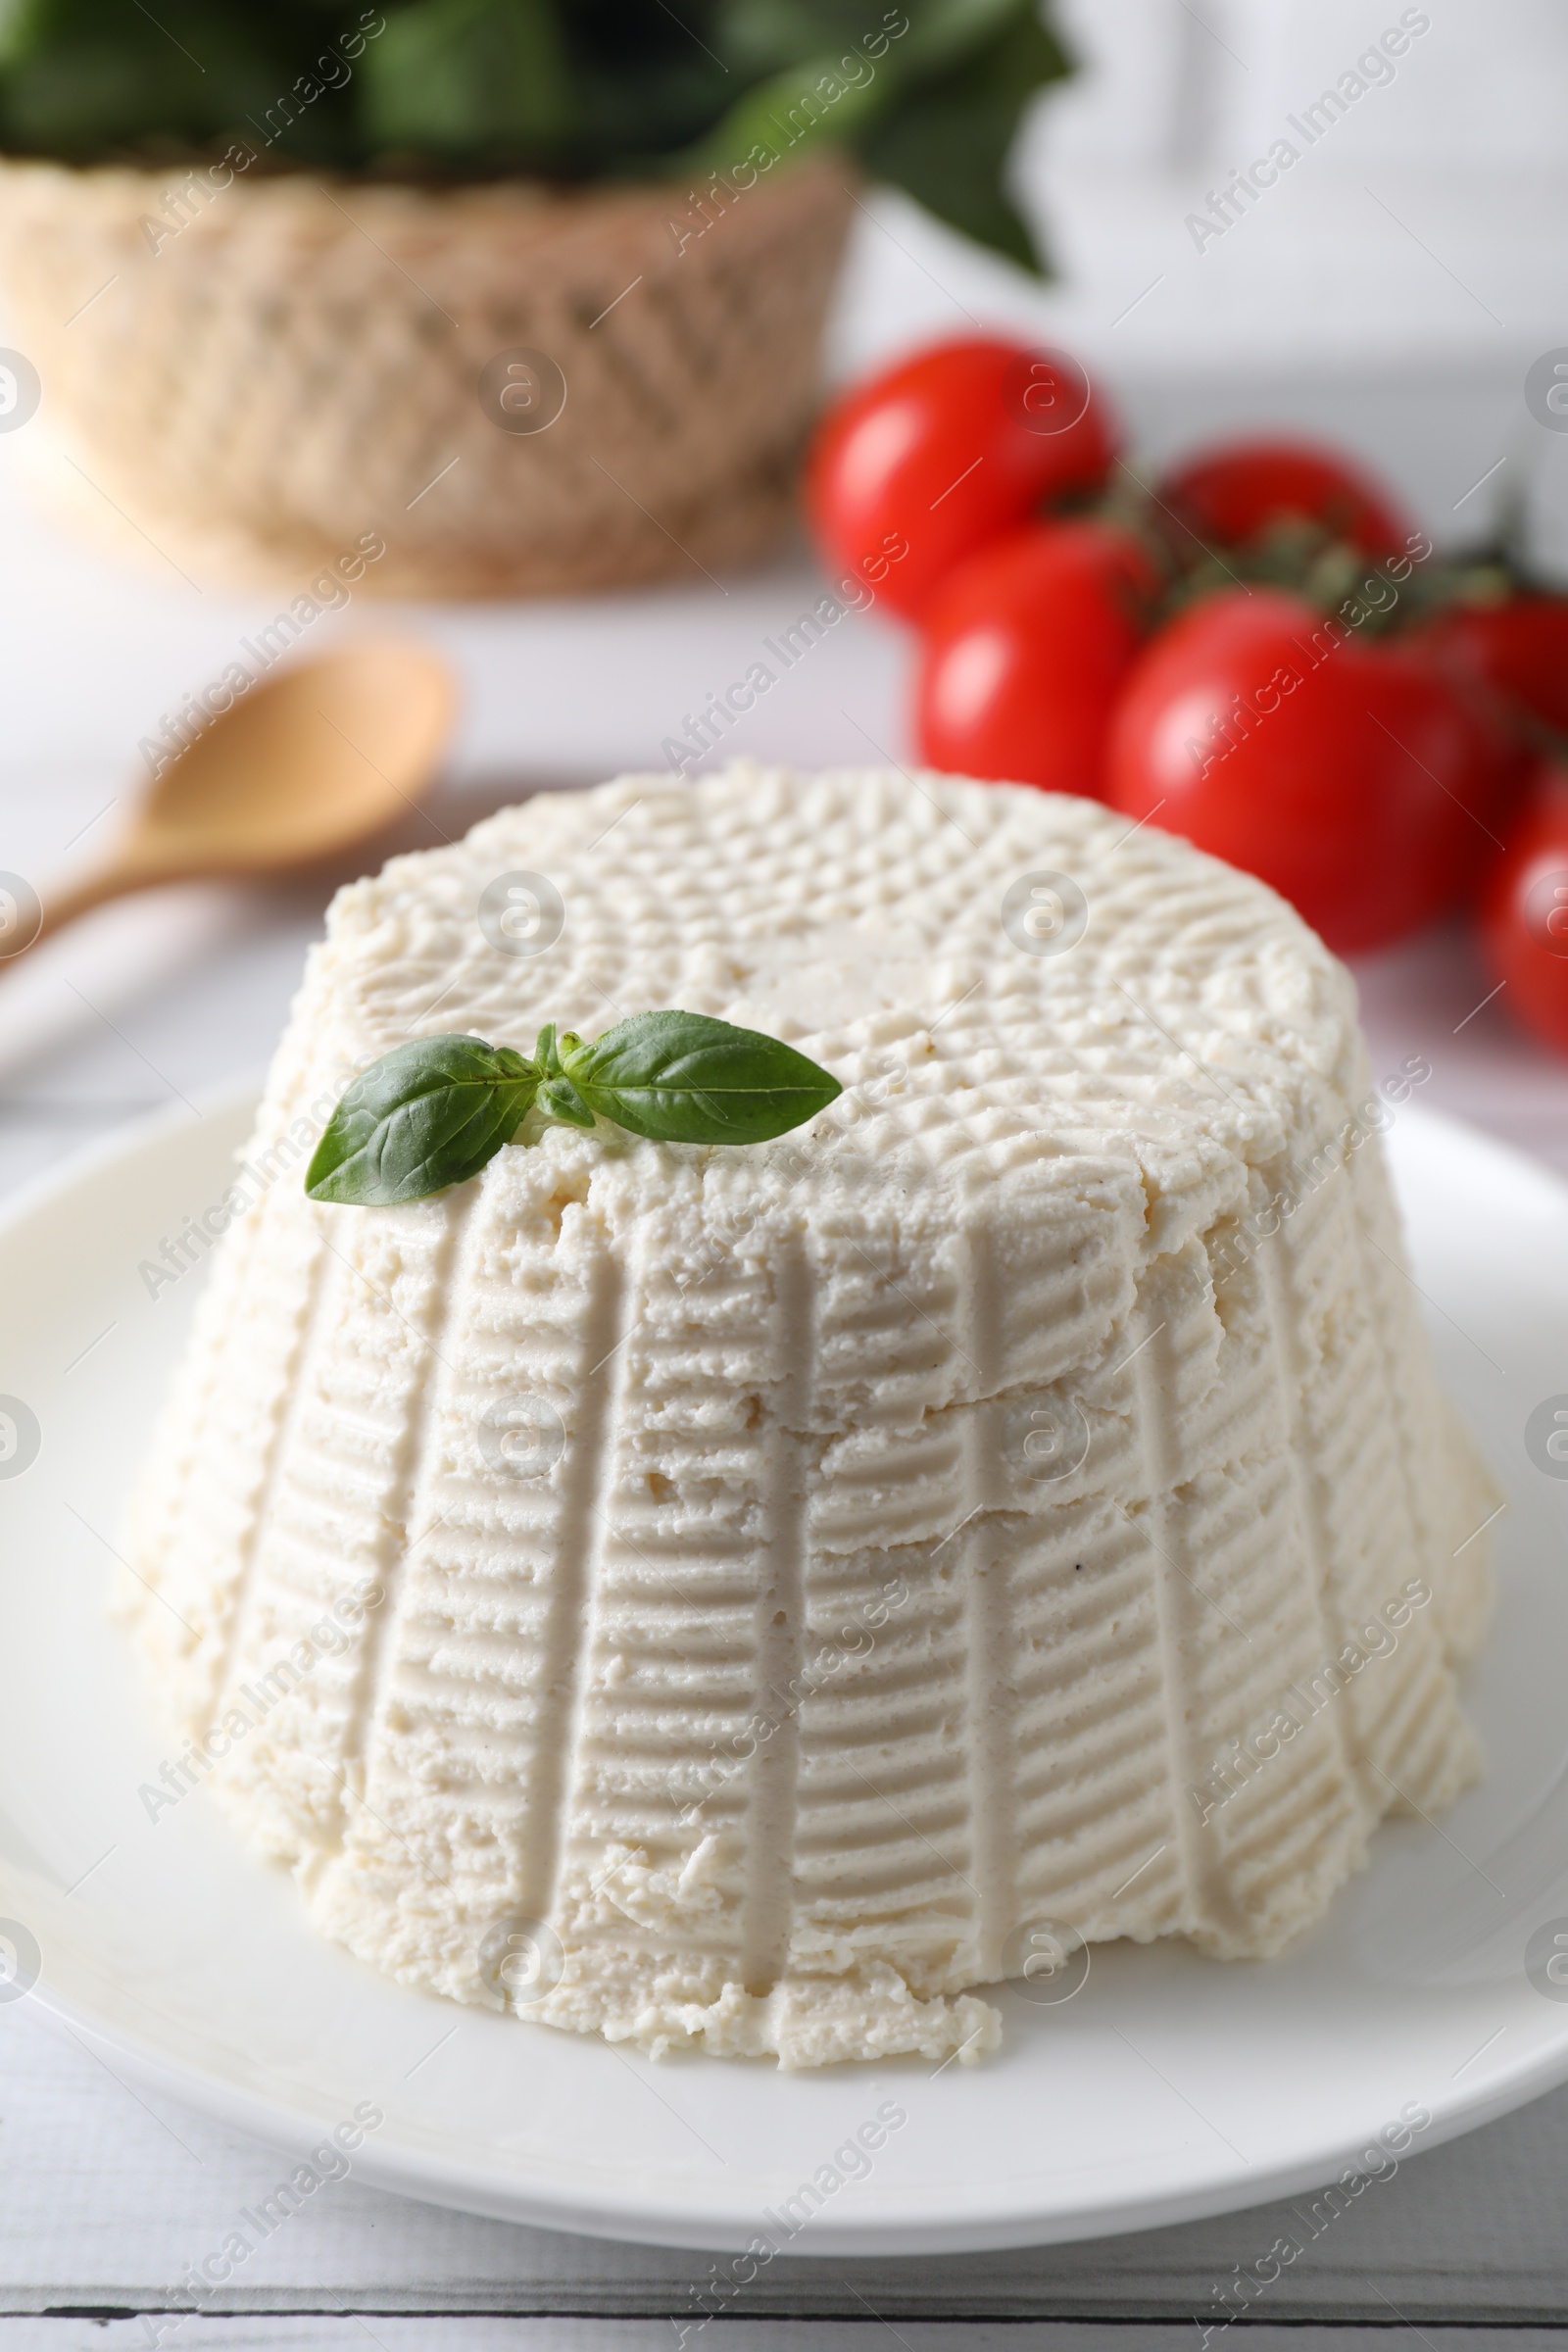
[796,1573]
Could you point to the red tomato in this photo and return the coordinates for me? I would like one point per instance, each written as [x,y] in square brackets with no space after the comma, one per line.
[1348,774]
[1519,649]
[1524,910]
[921,465]
[1027,645]
[1234,493]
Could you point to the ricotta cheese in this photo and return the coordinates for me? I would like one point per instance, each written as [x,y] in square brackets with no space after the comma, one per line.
[749,1599]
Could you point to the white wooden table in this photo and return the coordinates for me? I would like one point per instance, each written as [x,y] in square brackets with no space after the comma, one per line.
[106,2193]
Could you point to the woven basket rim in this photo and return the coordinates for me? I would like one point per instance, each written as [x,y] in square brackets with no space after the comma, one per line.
[498,191]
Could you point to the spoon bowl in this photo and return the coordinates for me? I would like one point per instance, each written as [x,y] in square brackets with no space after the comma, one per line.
[325,755]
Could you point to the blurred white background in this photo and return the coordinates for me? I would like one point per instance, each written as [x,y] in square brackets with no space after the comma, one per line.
[1388,290]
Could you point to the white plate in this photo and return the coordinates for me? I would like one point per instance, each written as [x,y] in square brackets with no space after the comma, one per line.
[1170,2086]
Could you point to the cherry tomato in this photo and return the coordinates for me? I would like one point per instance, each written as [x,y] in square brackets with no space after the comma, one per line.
[1349,774]
[1027,645]
[1233,494]
[1524,910]
[921,465]
[1519,649]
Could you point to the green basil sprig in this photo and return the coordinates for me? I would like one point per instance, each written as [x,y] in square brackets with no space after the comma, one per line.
[431,1113]
[428,1114]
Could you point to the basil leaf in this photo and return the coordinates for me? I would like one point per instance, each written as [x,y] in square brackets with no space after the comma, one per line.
[429,1113]
[684,1078]
[432,1112]
[558,1099]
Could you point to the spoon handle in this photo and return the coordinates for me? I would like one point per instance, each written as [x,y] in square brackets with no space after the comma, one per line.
[62,907]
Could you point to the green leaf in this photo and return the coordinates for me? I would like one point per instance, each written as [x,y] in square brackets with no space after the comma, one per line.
[944,33]
[684,1078]
[946,145]
[429,1113]
[88,76]
[468,77]
[433,1111]
[558,1099]
[805,106]
[935,111]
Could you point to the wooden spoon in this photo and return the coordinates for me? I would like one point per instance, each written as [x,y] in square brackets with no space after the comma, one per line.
[322,756]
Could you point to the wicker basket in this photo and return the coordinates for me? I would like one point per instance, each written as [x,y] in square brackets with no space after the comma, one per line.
[300,364]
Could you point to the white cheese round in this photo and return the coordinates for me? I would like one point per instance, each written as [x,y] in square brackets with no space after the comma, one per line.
[750,1597]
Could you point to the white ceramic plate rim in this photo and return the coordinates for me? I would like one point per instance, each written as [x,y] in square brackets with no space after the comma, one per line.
[666,2222]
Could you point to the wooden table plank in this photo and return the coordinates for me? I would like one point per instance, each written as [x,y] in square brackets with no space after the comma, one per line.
[109,2195]
[327,2332]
